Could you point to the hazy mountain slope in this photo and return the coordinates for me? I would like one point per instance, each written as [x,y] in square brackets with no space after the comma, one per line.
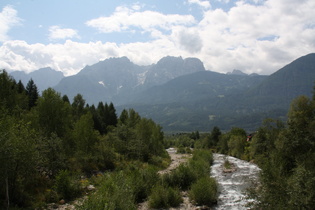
[199,101]
[278,90]
[202,85]
[43,78]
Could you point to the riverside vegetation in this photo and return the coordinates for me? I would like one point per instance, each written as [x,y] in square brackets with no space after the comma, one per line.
[51,149]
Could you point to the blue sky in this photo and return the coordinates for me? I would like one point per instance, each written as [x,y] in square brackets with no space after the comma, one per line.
[255,36]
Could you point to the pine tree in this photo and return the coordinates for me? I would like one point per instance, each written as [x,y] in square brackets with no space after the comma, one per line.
[32,92]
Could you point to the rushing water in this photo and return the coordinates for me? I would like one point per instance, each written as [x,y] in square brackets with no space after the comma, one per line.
[232,185]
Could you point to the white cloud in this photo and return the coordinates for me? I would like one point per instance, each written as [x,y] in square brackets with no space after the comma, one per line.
[124,18]
[8,19]
[55,33]
[237,38]
[257,38]
[204,4]
[187,39]
[69,57]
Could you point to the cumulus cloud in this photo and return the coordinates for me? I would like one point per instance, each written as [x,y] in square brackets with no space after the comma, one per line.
[257,38]
[57,33]
[69,57]
[251,37]
[8,19]
[187,39]
[124,18]
[204,4]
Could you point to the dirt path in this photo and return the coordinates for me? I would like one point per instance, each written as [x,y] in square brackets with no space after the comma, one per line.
[176,160]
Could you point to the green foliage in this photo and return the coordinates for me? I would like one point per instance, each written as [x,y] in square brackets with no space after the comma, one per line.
[142,181]
[286,155]
[139,138]
[66,186]
[32,92]
[104,117]
[105,154]
[222,146]
[19,158]
[77,105]
[186,174]
[182,177]
[183,142]
[204,191]
[11,94]
[114,192]
[122,190]
[84,135]
[233,143]
[200,167]
[52,154]
[211,141]
[205,155]
[45,140]
[301,188]
[53,113]
[164,197]
[227,164]
[263,141]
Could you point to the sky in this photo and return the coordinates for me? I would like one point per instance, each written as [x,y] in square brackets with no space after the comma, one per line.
[255,36]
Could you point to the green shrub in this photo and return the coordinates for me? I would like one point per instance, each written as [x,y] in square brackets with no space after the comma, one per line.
[66,186]
[227,164]
[204,191]
[206,155]
[142,181]
[164,197]
[200,167]
[158,161]
[181,150]
[182,177]
[115,192]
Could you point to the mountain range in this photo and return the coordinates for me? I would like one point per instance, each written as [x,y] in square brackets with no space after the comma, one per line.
[181,95]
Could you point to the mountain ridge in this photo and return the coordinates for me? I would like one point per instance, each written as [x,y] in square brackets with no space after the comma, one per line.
[181,95]
[43,77]
[118,79]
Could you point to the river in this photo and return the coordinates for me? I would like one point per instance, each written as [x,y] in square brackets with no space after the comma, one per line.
[232,185]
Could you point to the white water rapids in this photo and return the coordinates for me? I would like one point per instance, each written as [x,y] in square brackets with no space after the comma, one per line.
[232,185]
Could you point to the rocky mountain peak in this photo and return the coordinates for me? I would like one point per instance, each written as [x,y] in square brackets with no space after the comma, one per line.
[236,72]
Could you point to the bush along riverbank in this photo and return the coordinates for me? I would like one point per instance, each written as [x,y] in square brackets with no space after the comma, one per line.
[127,188]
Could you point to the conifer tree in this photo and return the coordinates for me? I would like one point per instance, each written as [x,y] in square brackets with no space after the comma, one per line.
[32,92]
